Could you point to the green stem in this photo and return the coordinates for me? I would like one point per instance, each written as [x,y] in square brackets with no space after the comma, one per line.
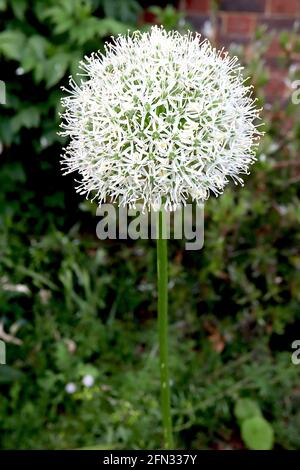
[162,278]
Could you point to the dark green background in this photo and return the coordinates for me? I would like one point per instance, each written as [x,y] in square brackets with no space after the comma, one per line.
[89,307]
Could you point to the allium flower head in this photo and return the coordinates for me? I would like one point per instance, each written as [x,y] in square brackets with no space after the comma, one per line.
[160,118]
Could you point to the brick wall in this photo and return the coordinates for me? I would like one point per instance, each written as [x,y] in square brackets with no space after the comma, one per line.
[238,19]
[235,21]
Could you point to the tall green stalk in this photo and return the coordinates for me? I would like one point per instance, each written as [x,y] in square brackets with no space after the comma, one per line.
[162,304]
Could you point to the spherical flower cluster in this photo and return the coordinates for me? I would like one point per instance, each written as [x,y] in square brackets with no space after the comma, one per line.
[160,118]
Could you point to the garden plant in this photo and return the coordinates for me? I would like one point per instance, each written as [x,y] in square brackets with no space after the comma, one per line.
[78,315]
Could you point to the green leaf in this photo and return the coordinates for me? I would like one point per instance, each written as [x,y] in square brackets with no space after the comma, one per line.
[9,374]
[56,68]
[38,45]
[246,408]
[33,57]
[257,433]
[91,28]
[126,12]
[284,38]
[28,118]
[19,8]
[168,16]
[12,44]
[109,26]
[74,67]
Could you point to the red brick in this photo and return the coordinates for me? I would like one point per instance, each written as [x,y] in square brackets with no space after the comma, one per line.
[296,58]
[199,6]
[242,5]
[197,21]
[276,87]
[277,23]
[283,7]
[147,17]
[239,24]
[274,49]
[227,41]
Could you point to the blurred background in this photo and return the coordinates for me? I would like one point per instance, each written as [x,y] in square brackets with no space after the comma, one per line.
[78,315]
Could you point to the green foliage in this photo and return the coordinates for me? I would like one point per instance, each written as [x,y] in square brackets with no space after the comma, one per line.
[41,43]
[169,16]
[246,408]
[257,433]
[72,305]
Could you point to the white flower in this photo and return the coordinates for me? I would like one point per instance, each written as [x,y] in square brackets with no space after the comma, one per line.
[159,118]
[88,380]
[71,388]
